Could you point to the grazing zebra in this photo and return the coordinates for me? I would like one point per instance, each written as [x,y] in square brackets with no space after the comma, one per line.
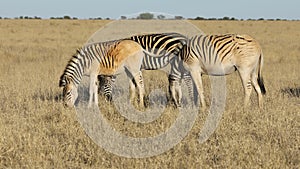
[102,58]
[164,49]
[105,85]
[220,55]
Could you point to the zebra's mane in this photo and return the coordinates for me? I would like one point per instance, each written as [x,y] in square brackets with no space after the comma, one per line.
[105,43]
[71,68]
[63,78]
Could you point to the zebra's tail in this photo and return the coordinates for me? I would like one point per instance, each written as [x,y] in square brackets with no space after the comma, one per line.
[260,79]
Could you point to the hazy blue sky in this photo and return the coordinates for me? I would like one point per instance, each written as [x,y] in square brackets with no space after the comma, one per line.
[284,9]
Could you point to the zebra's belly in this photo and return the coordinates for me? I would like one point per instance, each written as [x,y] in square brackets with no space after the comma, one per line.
[219,70]
[110,71]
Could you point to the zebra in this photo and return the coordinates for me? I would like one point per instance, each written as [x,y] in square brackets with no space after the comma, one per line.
[220,55]
[102,58]
[165,47]
[106,83]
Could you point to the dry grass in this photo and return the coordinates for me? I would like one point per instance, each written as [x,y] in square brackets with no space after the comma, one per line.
[37,132]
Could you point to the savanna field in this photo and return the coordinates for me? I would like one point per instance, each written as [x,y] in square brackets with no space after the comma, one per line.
[36,131]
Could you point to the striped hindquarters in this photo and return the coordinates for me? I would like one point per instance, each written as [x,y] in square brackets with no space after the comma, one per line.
[212,49]
[220,55]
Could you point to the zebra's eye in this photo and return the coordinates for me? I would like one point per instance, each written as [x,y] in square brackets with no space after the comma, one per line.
[68,92]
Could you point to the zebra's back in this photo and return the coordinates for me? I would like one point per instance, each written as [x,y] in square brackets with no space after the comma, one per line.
[217,53]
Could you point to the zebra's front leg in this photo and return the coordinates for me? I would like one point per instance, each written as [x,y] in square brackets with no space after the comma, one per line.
[193,95]
[175,90]
[179,93]
[196,75]
[93,91]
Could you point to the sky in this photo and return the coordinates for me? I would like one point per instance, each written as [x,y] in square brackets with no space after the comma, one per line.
[84,9]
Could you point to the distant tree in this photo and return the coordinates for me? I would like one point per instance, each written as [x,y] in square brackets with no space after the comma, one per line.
[212,19]
[199,18]
[233,19]
[261,19]
[26,17]
[145,16]
[98,18]
[66,17]
[178,17]
[161,17]
[123,17]
[225,18]
[75,18]
[0,17]
[36,17]
[21,17]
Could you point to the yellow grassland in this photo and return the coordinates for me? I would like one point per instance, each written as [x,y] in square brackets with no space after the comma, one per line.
[36,131]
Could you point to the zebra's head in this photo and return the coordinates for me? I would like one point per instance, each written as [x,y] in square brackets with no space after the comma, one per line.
[106,83]
[69,90]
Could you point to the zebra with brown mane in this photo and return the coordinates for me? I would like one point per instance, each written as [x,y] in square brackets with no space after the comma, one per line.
[105,58]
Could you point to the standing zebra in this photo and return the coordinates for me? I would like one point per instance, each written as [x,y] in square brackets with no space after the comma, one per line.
[221,55]
[102,58]
[162,48]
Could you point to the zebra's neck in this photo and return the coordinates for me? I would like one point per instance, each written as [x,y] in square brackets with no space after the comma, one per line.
[87,60]
[80,64]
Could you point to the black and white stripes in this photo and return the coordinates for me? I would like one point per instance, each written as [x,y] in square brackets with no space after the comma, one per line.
[215,55]
[100,58]
[162,49]
[219,55]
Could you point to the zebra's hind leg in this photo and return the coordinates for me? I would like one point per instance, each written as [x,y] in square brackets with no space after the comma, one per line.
[196,75]
[246,81]
[136,82]
[257,88]
[132,91]
[140,88]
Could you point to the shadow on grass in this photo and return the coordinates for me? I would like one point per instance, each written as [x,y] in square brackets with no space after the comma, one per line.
[50,95]
[291,92]
[47,96]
